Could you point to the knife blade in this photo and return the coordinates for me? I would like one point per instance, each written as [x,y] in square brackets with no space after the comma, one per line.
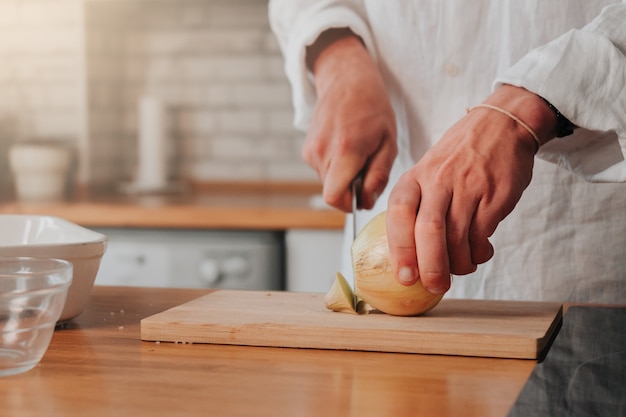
[357,183]
[356,189]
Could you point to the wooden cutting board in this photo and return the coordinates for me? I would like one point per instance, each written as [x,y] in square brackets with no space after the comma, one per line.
[504,329]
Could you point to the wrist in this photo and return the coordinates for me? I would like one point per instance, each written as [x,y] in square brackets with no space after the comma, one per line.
[529,107]
[325,44]
[334,50]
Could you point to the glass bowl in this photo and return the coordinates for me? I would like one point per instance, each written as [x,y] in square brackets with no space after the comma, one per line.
[32,296]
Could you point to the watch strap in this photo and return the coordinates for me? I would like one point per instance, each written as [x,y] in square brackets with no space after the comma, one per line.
[564,126]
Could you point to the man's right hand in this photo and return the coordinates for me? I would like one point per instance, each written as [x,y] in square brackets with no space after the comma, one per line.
[353,128]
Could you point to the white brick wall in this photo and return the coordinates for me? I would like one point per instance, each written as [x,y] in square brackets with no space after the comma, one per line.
[217,67]
[214,63]
[39,55]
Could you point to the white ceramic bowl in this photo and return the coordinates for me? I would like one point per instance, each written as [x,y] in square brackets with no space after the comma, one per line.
[53,237]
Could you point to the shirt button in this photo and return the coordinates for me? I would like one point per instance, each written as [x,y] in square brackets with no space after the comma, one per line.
[452,70]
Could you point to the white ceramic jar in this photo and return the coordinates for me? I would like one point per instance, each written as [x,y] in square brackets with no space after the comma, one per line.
[40,170]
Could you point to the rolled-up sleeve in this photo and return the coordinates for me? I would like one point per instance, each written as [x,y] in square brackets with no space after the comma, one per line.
[583,74]
[297,24]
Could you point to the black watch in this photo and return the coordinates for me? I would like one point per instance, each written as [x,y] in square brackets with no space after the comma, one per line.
[564,126]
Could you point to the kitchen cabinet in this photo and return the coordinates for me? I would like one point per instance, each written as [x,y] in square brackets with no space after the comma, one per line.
[304,260]
[233,259]
[313,257]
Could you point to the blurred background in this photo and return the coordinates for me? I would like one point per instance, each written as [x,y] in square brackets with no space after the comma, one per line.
[112,111]
[75,71]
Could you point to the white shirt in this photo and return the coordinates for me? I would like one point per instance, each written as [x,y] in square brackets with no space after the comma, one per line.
[566,238]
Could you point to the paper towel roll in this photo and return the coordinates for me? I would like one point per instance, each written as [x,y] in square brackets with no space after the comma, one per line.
[152,145]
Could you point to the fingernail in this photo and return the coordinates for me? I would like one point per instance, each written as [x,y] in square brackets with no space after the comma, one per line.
[374,197]
[437,291]
[406,275]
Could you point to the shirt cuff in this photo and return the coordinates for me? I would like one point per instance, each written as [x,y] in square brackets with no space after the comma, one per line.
[582,74]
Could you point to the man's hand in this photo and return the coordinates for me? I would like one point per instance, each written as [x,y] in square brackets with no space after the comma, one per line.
[353,128]
[443,210]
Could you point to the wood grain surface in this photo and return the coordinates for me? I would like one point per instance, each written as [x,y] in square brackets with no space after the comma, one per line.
[215,207]
[98,366]
[285,319]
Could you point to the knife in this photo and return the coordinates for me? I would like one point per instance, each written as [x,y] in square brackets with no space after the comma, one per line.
[357,184]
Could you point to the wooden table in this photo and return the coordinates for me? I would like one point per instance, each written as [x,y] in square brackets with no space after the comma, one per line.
[98,366]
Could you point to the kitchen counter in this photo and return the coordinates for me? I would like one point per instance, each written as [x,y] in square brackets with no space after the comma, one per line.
[98,366]
[221,206]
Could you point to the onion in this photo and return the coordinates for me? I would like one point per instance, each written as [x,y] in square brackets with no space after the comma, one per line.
[374,280]
[340,297]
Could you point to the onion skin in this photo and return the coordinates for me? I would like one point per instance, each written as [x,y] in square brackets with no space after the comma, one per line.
[374,280]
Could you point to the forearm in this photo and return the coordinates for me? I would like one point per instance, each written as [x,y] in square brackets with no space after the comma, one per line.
[297,25]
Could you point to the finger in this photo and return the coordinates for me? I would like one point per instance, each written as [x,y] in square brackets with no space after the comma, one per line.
[482,250]
[483,225]
[315,146]
[337,185]
[377,172]
[430,240]
[401,212]
[458,223]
